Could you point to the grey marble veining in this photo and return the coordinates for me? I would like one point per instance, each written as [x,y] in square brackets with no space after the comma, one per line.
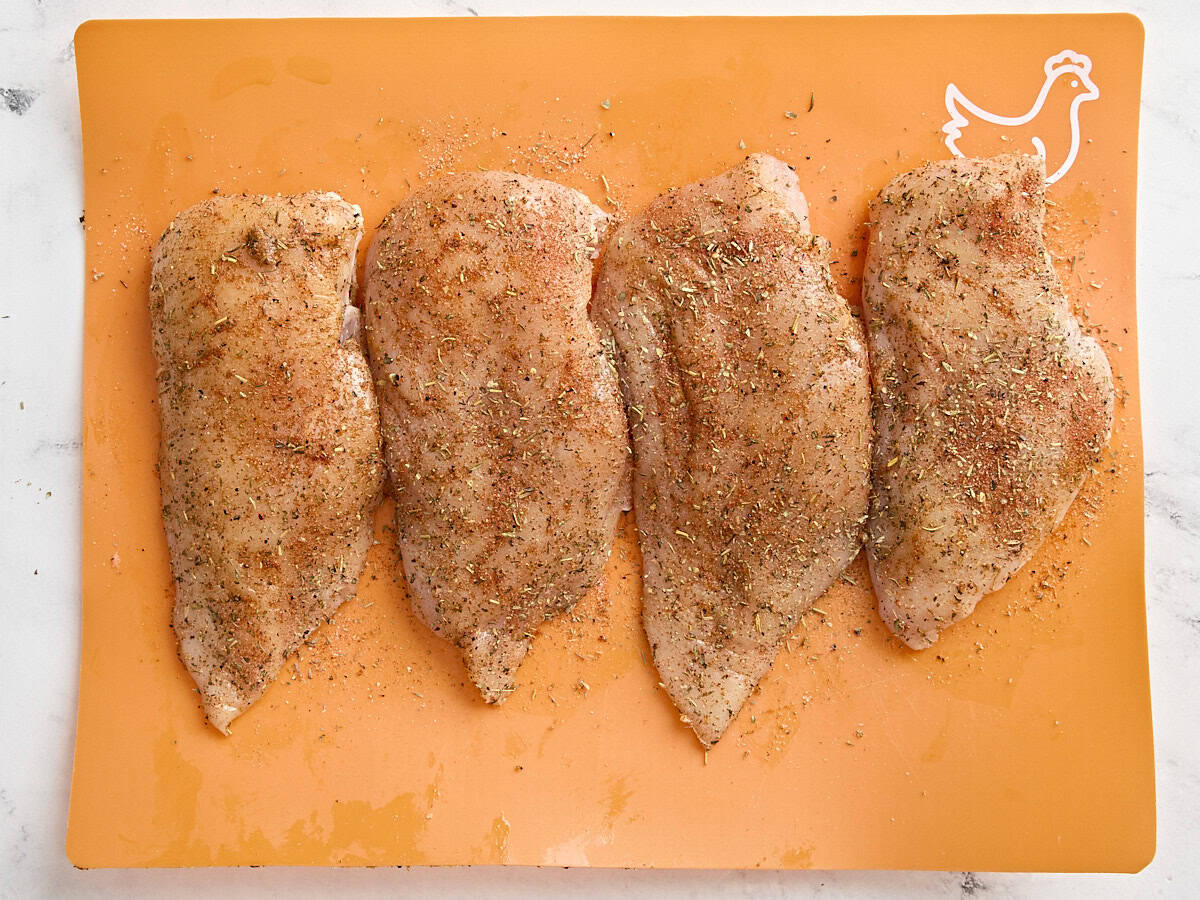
[41,274]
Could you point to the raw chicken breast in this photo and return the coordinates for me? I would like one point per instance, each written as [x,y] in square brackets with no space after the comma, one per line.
[990,405]
[502,423]
[269,461]
[745,381]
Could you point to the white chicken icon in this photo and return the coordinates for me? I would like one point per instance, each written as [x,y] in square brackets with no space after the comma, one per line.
[1068,83]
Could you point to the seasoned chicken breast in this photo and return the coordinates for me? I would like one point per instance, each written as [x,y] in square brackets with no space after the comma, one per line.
[745,381]
[502,423]
[990,404]
[270,461]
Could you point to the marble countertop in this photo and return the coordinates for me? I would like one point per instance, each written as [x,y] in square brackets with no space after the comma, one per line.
[41,307]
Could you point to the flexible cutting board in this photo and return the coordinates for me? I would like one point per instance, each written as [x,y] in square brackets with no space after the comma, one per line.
[1020,741]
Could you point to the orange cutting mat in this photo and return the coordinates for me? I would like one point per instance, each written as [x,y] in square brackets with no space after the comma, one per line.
[1020,741]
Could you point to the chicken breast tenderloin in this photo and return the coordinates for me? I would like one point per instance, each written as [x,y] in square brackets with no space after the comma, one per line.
[745,382]
[269,458]
[502,422]
[990,404]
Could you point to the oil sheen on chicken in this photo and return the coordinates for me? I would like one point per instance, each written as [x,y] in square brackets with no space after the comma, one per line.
[502,422]
[269,461]
[745,382]
[990,405]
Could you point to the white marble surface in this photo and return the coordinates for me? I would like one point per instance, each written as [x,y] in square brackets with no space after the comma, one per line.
[41,305]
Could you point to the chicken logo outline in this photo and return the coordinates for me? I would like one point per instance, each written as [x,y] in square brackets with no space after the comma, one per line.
[1067,71]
